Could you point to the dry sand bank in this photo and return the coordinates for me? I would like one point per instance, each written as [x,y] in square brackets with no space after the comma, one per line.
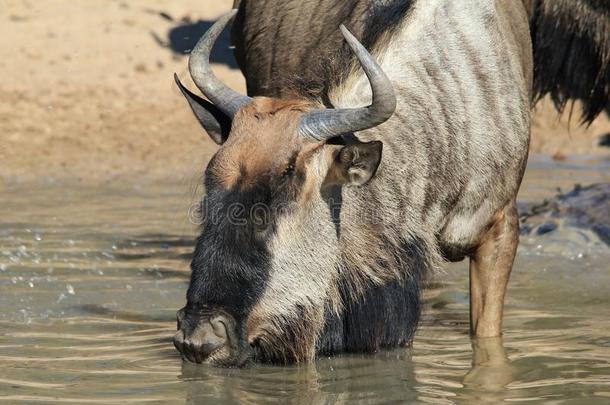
[87,94]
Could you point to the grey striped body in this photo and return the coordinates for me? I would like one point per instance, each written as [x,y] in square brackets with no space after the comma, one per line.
[368,214]
[454,151]
[456,147]
[457,144]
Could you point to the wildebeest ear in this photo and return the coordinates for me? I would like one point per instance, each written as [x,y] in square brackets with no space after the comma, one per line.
[356,164]
[214,121]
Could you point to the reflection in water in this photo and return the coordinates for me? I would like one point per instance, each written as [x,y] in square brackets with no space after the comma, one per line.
[89,296]
[346,379]
[491,371]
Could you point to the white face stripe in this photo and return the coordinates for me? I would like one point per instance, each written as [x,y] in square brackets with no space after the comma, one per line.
[304,266]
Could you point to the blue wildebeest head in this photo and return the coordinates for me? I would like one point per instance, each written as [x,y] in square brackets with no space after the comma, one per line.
[272,274]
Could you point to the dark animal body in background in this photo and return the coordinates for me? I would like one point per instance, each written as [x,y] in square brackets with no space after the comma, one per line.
[340,266]
[571,41]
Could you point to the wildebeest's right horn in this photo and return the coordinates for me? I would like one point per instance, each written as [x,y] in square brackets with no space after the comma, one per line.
[226,99]
[327,123]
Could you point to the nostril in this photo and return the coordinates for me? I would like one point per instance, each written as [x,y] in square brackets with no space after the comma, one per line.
[212,338]
[219,326]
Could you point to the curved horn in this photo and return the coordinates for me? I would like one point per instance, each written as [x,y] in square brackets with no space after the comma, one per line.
[227,100]
[327,123]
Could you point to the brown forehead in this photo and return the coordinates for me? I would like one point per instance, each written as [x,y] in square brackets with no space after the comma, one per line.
[263,140]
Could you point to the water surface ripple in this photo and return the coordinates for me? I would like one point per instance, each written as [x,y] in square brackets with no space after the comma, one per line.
[90,280]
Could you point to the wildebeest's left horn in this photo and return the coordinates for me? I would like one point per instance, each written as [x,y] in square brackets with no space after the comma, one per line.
[327,123]
[226,99]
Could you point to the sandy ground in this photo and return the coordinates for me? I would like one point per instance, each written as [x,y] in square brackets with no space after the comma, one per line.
[86,94]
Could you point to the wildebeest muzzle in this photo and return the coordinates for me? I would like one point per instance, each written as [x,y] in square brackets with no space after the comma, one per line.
[210,336]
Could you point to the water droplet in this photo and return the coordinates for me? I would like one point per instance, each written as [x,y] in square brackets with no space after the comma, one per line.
[26,318]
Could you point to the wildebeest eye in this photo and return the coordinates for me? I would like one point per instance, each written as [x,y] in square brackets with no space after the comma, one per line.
[291,167]
[289,171]
[261,231]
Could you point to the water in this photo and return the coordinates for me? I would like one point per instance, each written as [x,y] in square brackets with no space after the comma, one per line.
[90,280]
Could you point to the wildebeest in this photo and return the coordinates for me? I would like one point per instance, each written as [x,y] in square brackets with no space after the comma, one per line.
[355,168]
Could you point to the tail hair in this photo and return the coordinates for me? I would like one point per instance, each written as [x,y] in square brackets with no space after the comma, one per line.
[571,40]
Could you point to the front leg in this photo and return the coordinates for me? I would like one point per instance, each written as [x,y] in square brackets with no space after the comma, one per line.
[490,267]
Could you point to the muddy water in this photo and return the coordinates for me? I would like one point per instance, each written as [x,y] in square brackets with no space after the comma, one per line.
[90,280]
